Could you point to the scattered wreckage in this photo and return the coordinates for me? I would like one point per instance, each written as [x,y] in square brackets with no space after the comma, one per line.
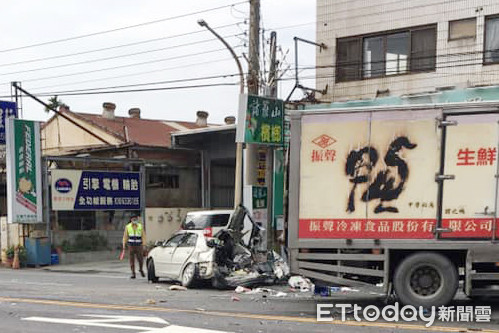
[228,258]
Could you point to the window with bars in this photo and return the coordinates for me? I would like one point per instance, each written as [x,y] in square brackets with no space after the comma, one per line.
[406,51]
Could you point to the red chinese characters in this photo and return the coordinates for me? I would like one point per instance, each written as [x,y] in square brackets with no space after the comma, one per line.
[326,155]
[481,157]
[323,155]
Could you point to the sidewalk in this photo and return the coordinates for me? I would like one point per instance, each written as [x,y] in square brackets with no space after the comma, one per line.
[109,266]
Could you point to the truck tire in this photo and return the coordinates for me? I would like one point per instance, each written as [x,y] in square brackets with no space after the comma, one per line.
[426,279]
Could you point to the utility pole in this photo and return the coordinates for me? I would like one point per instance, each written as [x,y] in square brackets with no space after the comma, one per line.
[271,151]
[273,65]
[254,47]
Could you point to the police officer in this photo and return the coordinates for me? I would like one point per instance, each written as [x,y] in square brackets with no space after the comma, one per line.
[135,237]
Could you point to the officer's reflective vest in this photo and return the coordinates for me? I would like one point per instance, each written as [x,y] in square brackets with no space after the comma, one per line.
[134,235]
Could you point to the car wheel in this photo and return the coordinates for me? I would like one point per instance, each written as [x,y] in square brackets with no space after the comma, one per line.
[426,279]
[151,272]
[188,275]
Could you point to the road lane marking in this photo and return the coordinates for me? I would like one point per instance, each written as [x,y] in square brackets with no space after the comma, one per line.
[85,322]
[183,329]
[117,322]
[241,315]
[16,281]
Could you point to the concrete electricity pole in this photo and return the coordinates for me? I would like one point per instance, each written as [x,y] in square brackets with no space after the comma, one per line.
[273,65]
[254,48]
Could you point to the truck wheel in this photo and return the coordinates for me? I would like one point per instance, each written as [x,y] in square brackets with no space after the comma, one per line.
[426,279]
[151,272]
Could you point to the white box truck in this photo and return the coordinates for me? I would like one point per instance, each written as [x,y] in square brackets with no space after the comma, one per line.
[404,197]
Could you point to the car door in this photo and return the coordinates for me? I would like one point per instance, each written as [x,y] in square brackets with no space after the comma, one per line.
[182,253]
[163,259]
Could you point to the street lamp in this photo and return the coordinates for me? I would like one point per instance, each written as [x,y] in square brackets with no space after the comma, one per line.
[238,186]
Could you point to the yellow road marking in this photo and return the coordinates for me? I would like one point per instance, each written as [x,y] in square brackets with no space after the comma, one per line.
[242,315]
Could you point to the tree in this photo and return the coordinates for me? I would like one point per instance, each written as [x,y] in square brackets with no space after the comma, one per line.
[53,103]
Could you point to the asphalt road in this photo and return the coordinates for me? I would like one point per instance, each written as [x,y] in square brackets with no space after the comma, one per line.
[34,300]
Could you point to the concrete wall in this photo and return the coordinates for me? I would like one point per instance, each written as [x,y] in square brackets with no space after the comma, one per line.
[459,62]
[9,233]
[81,257]
[59,136]
[114,237]
[161,223]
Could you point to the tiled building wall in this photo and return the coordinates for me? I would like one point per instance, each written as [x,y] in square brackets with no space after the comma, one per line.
[458,64]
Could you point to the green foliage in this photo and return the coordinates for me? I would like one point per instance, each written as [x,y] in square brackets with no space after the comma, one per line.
[53,103]
[10,252]
[23,253]
[92,241]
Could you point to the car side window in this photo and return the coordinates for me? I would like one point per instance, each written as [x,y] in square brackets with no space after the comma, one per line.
[189,241]
[219,220]
[174,241]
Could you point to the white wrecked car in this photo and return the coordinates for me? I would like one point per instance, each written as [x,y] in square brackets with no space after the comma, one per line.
[192,255]
[214,221]
[184,257]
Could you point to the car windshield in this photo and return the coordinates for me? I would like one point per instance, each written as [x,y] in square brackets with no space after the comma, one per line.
[201,221]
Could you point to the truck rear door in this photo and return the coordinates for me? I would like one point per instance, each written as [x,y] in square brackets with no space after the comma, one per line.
[469,204]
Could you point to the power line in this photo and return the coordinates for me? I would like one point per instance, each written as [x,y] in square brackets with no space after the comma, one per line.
[142,84]
[132,74]
[140,90]
[113,47]
[109,58]
[120,29]
[122,66]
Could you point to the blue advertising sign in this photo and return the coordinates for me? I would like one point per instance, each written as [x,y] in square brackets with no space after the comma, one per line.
[95,190]
[7,110]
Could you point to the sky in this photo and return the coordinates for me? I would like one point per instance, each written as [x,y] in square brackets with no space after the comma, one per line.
[73,48]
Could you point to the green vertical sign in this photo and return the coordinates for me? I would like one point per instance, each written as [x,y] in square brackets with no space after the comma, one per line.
[25,160]
[24,172]
[261,120]
[259,196]
[278,182]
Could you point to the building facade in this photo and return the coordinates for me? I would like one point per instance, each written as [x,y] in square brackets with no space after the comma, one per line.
[108,142]
[405,48]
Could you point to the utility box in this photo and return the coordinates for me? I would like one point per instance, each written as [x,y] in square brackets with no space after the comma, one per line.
[38,250]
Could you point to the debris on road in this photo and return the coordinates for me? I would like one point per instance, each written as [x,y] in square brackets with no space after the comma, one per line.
[264,291]
[177,288]
[241,289]
[328,290]
[150,301]
[234,298]
[299,282]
